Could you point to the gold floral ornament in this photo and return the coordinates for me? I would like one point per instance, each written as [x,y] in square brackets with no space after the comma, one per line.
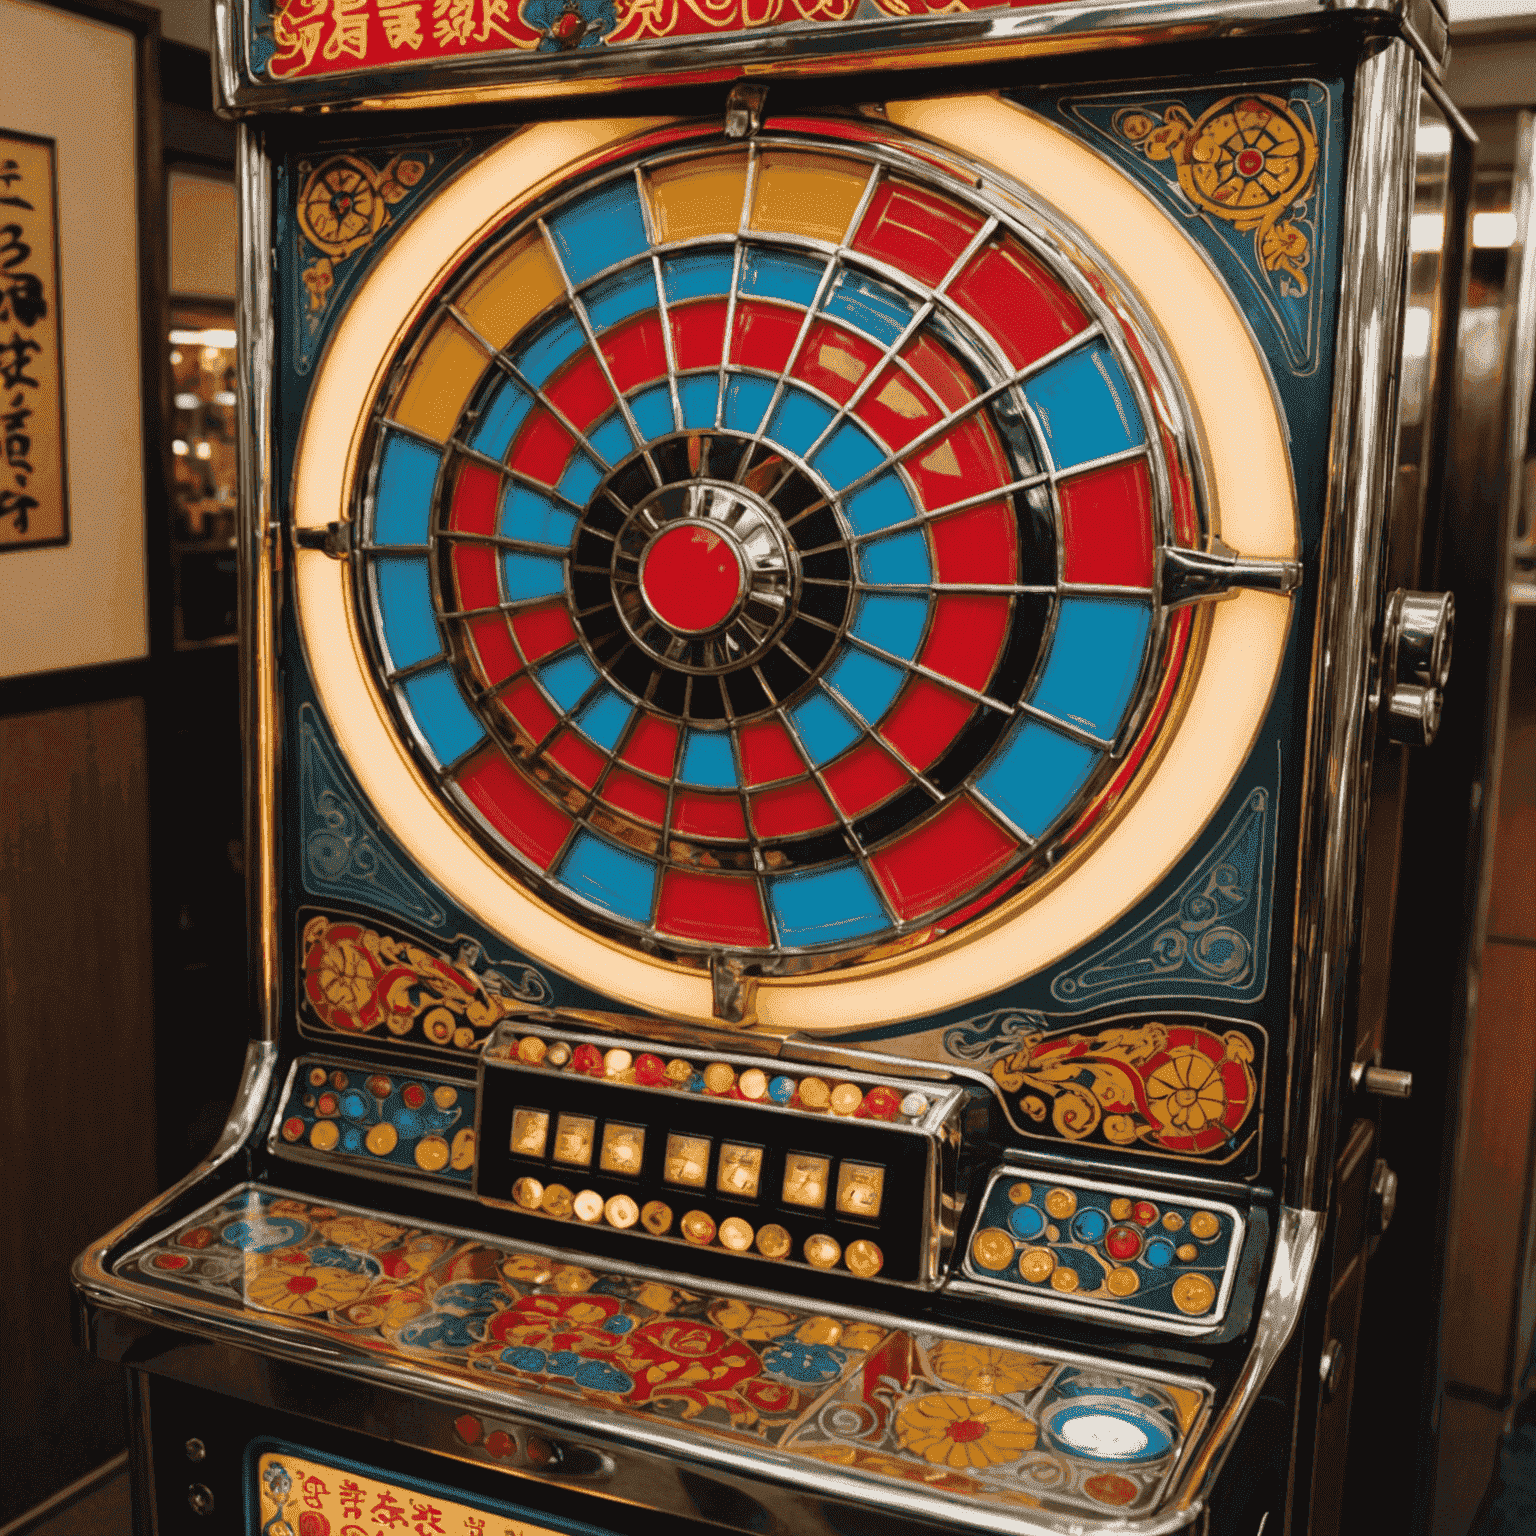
[1175,1087]
[366,1232]
[301,1289]
[954,1431]
[342,206]
[1186,1093]
[1248,160]
[358,980]
[981,1368]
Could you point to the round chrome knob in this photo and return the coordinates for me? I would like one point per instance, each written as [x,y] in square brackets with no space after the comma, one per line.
[1415,663]
[1329,1364]
[1383,1197]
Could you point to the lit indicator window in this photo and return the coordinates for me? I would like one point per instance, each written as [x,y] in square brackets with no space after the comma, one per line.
[573,1140]
[530,1131]
[805,1180]
[687,1160]
[860,1189]
[623,1147]
[740,1170]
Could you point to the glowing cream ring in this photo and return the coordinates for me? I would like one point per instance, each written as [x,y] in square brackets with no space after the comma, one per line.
[1251,504]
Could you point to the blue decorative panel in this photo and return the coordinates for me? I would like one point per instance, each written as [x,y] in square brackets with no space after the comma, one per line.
[1209,939]
[1256,168]
[342,854]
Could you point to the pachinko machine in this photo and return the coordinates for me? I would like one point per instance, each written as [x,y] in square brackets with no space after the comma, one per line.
[824,585]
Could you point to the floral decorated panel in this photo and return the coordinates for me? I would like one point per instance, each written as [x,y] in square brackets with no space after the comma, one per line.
[1135,1252]
[359,979]
[966,1416]
[1182,1086]
[410,1124]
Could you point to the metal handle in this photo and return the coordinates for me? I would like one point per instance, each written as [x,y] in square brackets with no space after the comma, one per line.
[1384,1082]
[1416,640]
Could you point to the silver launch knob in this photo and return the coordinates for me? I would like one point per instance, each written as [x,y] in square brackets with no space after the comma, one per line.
[1415,662]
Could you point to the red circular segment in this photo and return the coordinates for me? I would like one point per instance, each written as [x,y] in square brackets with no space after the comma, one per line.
[1122,1243]
[692,578]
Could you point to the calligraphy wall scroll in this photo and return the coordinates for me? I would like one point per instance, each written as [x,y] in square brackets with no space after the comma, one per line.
[34,503]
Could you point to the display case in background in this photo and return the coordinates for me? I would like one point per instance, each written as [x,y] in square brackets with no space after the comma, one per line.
[204,378]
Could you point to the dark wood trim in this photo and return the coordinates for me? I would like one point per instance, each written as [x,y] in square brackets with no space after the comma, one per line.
[195,137]
[76,685]
[66,1498]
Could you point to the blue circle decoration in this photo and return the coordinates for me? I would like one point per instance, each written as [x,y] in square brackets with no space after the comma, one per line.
[805,1362]
[1159,1253]
[521,1358]
[1090,1225]
[1107,1430]
[1026,1221]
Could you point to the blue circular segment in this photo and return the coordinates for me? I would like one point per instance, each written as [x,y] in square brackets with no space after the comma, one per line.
[1090,1225]
[1026,1221]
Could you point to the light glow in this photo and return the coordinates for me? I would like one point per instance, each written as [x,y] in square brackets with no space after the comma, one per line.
[1432,139]
[1103,1434]
[1252,506]
[210,338]
[1426,232]
[1416,331]
[1494,231]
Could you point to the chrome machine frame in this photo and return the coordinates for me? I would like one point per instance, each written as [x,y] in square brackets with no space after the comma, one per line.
[656,1463]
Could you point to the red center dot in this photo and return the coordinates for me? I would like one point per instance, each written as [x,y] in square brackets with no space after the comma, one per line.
[967,1429]
[1250,162]
[1122,1242]
[300,1284]
[691,578]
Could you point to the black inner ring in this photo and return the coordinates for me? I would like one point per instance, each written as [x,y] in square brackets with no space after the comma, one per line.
[821,607]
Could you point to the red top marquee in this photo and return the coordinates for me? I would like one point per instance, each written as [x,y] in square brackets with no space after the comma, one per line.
[288,54]
[325,37]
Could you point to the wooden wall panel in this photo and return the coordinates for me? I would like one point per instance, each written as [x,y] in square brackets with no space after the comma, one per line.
[76,1067]
[1482,1287]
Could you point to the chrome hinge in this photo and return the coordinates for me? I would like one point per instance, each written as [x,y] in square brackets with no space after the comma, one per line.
[744,110]
[335,539]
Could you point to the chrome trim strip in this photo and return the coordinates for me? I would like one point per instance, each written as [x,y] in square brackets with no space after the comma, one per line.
[270,1338]
[141,1467]
[92,1281]
[260,729]
[1335,786]
[849,47]
[1298,1240]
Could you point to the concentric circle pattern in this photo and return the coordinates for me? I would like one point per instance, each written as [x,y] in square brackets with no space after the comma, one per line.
[759,548]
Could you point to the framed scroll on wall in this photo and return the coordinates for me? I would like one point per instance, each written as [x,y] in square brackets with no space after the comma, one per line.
[34,491]
[77,282]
